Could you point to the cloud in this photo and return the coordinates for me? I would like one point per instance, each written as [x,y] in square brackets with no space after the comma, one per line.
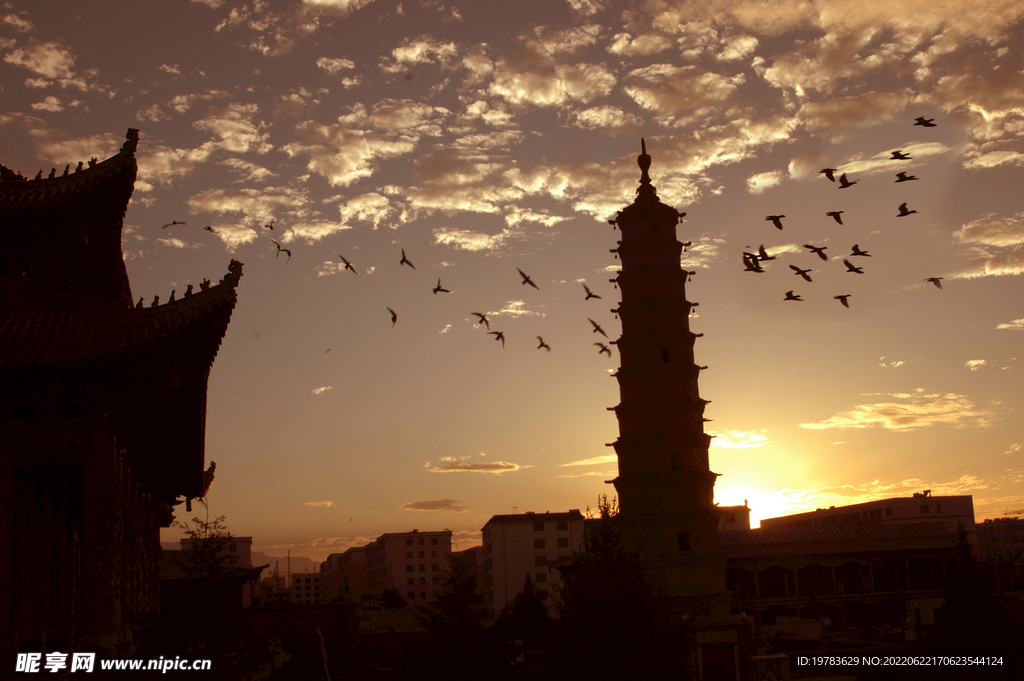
[175,242]
[918,410]
[322,389]
[896,364]
[610,119]
[514,309]
[20,25]
[421,50]
[739,439]
[982,263]
[323,504]
[51,103]
[837,115]
[882,162]
[762,182]
[446,329]
[991,230]
[975,364]
[468,240]
[703,252]
[249,172]
[675,93]
[604,458]
[1017,324]
[643,45]
[60,151]
[607,475]
[465,464]
[285,205]
[436,505]
[236,129]
[333,65]
[49,60]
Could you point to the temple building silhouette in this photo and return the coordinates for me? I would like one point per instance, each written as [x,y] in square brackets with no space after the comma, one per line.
[103,411]
[665,486]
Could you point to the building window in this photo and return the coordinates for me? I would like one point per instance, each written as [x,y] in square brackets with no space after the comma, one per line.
[938,508]
[423,594]
[540,560]
[562,526]
[683,539]
[423,580]
[423,554]
[410,581]
[408,542]
[538,543]
[730,517]
[541,577]
[888,510]
[876,513]
[433,541]
[924,508]
[421,541]
[436,580]
[435,567]
[411,595]
[538,527]
[423,567]
[410,568]
[408,554]
[433,554]
[563,542]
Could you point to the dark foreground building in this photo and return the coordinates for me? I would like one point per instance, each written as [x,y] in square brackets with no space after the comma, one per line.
[102,412]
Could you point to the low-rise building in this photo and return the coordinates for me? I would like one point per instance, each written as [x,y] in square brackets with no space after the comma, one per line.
[413,563]
[306,588]
[527,544]
[1001,537]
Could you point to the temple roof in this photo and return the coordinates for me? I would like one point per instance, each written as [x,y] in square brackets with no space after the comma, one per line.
[33,334]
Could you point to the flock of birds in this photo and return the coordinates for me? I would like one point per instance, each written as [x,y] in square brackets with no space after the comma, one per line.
[752,261]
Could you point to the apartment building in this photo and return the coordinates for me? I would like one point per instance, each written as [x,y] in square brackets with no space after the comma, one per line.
[413,563]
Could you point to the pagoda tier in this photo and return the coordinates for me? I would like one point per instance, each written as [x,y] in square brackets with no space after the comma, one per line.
[665,485]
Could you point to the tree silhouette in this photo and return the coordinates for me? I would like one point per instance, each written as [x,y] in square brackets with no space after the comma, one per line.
[207,554]
[455,623]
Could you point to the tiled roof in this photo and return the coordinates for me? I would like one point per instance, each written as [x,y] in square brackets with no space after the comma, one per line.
[836,539]
[31,335]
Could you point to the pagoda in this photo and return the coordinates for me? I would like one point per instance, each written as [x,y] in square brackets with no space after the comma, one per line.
[102,412]
[665,486]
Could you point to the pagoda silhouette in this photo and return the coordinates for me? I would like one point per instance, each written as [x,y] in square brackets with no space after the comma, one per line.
[665,486]
[102,412]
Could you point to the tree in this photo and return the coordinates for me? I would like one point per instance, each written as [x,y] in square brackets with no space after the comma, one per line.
[455,622]
[207,554]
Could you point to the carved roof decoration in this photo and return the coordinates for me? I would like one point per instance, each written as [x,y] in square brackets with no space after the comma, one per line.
[30,334]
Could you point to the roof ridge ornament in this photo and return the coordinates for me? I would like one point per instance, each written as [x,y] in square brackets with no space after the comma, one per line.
[646,190]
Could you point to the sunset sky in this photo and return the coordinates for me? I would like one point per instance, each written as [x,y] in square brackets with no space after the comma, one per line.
[483,137]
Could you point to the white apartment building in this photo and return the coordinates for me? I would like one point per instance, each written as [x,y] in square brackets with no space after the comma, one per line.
[413,563]
[527,544]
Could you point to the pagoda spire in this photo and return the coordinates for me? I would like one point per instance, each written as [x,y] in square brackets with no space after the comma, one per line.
[646,190]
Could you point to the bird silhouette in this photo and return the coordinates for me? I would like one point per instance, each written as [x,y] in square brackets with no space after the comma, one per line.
[526,279]
[171,224]
[498,336]
[597,327]
[904,212]
[791,296]
[604,348]
[903,177]
[282,250]
[844,183]
[210,229]
[348,265]
[483,320]
[394,317]
[834,214]
[269,226]
[543,344]
[589,294]
[857,251]
[762,254]
[438,289]
[819,250]
[925,122]
[828,173]
[842,299]
[850,267]
[405,261]
[935,280]
[775,220]
[750,263]
[898,155]
[802,273]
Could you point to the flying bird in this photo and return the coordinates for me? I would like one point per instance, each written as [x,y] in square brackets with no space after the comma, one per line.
[819,250]
[604,348]
[597,327]
[171,224]
[394,317]
[348,265]
[850,267]
[269,226]
[828,173]
[842,299]
[543,344]
[438,289]
[282,250]
[925,122]
[750,263]
[686,244]
[802,273]
[935,280]
[762,254]
[904,212]
[405,261]
[589,294]
[844,183]
[483,320]
[857,251]
[775,220]
[834,214]
[791,296]
[903,177]
[898,155]
[498,336]
[526,279]
[210,229]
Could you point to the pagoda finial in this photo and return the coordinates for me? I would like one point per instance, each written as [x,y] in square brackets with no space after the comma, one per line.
[646,189]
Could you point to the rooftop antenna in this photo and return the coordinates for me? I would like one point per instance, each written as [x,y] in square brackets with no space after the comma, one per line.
[515,508]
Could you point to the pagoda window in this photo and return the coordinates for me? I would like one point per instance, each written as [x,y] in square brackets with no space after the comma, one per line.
[683,539]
